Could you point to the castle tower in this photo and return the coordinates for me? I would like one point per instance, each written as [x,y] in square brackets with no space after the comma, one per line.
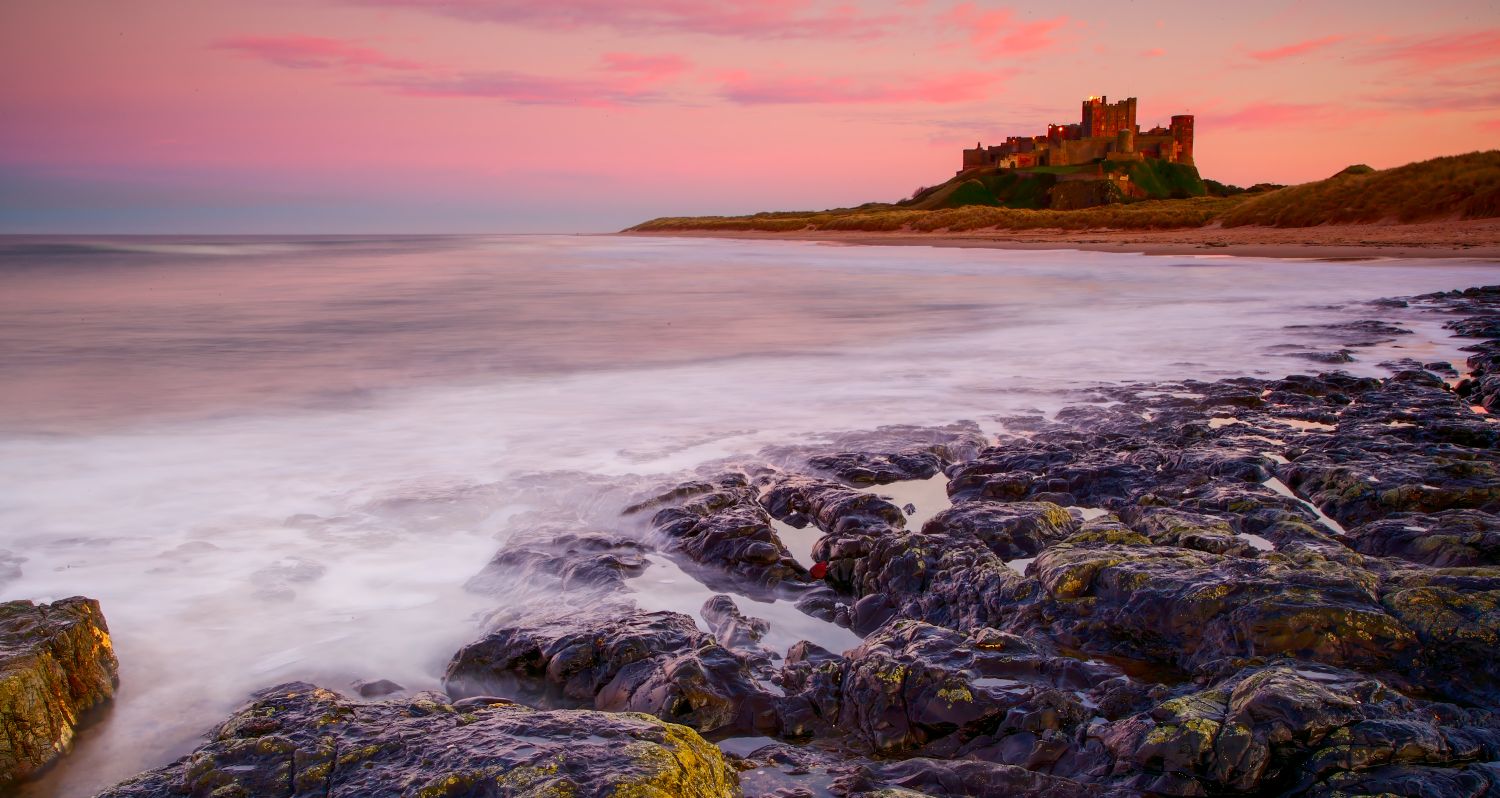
[1102,119]
[1182,138]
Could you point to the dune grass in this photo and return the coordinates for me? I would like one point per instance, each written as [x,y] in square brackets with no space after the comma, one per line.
[1456,187]
[1149,215]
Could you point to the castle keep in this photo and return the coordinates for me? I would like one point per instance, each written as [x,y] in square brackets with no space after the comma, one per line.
[1107,131]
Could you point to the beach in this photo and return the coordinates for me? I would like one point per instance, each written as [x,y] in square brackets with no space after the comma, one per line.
[1478,239]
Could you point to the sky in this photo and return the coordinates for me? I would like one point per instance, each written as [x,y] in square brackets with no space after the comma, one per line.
[411,116]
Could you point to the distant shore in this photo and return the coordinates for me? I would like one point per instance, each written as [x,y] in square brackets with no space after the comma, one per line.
[1477,239]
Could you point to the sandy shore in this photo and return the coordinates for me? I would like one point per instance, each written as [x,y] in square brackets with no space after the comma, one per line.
[1477,239]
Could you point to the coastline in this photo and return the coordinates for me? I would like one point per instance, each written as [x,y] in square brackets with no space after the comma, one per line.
[1477,239]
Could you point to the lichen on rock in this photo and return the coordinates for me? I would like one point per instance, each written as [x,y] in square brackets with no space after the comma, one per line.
[56,663]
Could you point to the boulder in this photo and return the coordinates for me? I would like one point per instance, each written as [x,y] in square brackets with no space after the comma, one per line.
[301,741]
[619,661]
[56,664]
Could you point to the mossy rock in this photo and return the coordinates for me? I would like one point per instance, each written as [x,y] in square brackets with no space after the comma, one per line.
[56,663]
[424,747]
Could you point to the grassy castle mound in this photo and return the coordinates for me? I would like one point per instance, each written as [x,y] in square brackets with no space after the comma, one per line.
[1167,195]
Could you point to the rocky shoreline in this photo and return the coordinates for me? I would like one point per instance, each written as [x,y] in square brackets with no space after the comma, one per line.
[1239,587]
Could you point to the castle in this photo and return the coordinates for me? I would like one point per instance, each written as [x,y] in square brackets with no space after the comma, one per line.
[1108,131]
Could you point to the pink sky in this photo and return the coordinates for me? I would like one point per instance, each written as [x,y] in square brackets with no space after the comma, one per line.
[587,115]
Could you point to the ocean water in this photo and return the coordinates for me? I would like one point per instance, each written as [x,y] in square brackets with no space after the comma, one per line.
[281,458]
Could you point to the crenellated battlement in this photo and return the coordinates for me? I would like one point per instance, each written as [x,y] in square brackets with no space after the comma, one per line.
[1106,131]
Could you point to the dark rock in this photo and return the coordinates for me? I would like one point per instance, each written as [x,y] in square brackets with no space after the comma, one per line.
[1011,530]
[56,664]
[377,689]
[558,560]
[1289,726]
[1339,356]
[892,454]
[652,662]
[833,507]
[912,685]
[919,776]
[298,740]
[1449,539]
[731,628]
[729,530]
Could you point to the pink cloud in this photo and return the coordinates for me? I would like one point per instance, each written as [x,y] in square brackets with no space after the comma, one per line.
[520,88]
[649,68]
[312,52]
[1262,115]
[1431,52]
[998,33]
[769,19]
[1155,52]
[1295,49]
[739,87]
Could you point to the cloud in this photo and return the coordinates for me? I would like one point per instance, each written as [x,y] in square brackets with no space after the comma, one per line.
[1263,115]
[1432,52]
[761,19]
[313,52]
[1490,126]
[996,34]
[1437,99]
[1295,49]
[741,88]
[647,68]
[1155,52]
[520,88]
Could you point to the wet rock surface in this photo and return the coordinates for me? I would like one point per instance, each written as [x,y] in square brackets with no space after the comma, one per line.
[1248,586]
[56,664]
[299,740]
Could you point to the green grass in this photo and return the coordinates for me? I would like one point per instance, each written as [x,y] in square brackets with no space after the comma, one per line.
[1162,180]
[1459,187]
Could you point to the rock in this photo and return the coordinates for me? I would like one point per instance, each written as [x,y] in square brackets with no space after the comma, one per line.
[561,560]
[888,454]
[56,663]
[867,468]
[1460,632]
[732,629]
[833,507]
[1191,608]
[976,779]
[1288,726]
[618,661]
[913,685]
[1011,530]
[302,741]
[728,529]
[1449,539]
[377,688]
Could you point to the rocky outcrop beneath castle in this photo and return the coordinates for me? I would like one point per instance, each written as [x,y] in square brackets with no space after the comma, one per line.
[1240,587]
[300,740]
[56,664]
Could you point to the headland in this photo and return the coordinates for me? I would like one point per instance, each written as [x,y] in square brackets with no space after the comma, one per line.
[1106,184]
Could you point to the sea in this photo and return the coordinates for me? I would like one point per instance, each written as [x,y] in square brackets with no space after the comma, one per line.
[281,458]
